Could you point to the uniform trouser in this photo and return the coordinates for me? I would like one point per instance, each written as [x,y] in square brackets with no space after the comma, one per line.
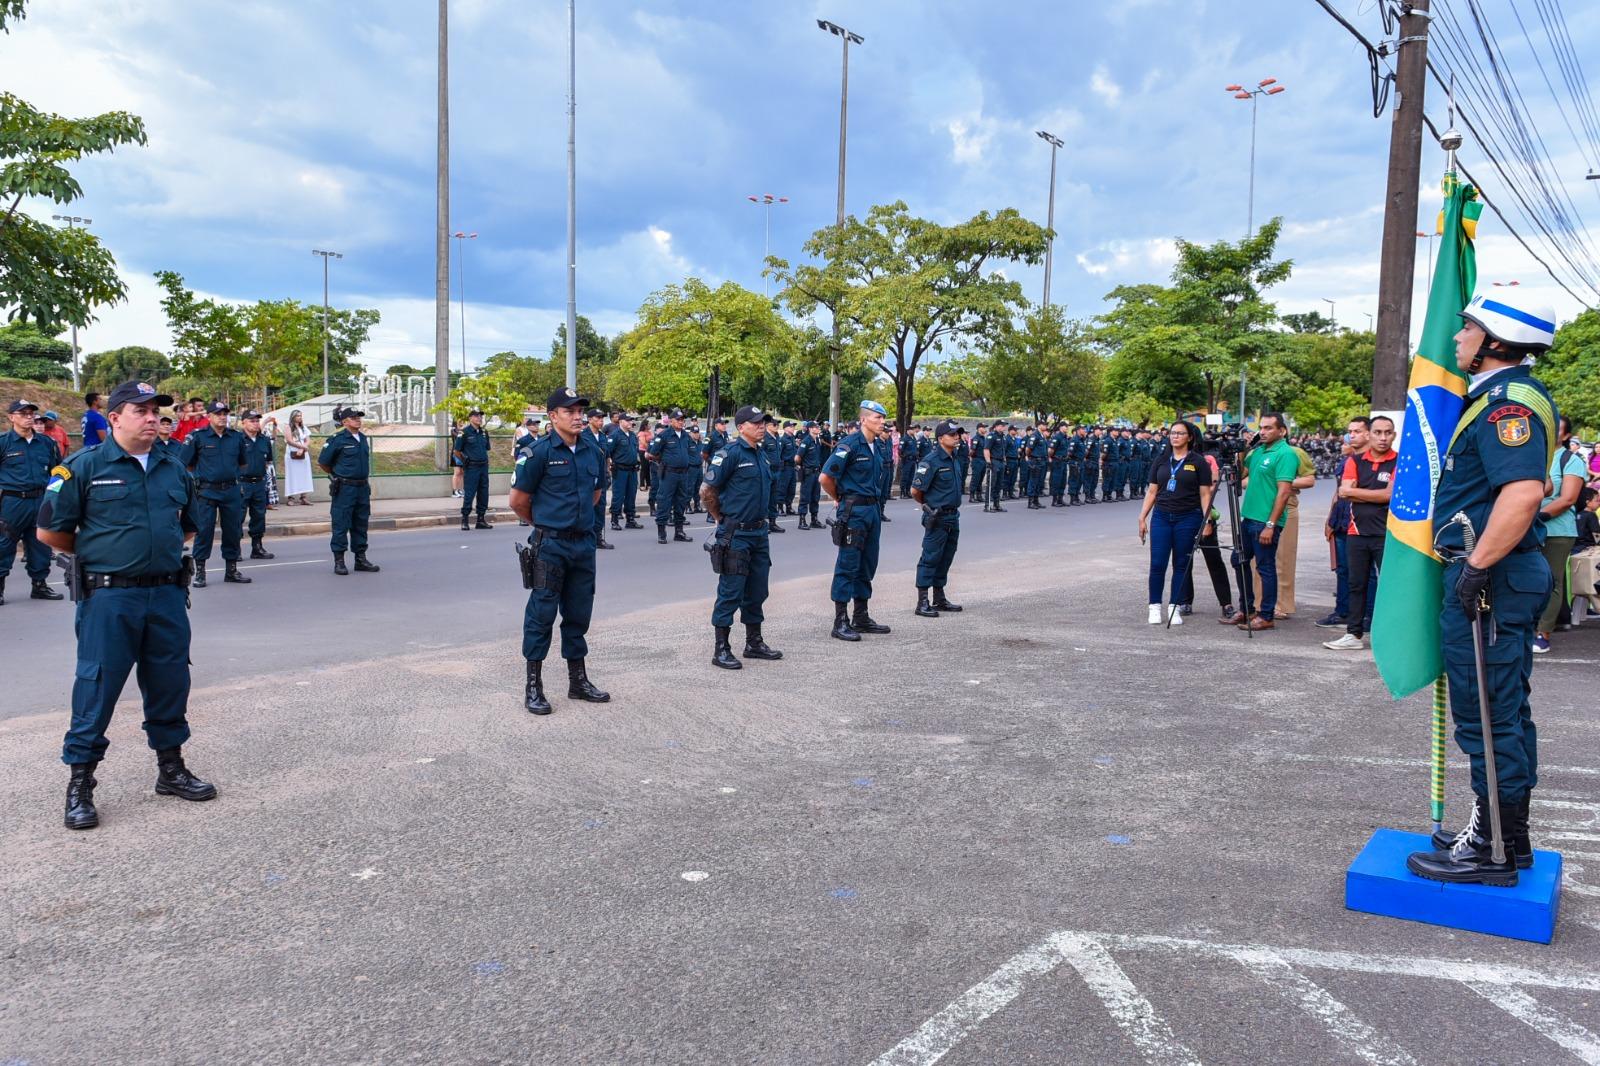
[208,512]
[1074,476]
[1364,557]
[772,494]
[746,592]
[908,470]
[118,630]
[351,510]
[673,495]
[575,601]
[855,566]
[1113,478]
[1557,550]
[1091,474]
[811,491]
[786,490]
[21,518]
[962,468]
[652,476]
[976,484]
[883,487]
[475,487]
[253,497]
[1518,587]
[600,515]
[1035,480]
[997,484]
[1058,477]
[624,490]
[939,539]
[1012,468]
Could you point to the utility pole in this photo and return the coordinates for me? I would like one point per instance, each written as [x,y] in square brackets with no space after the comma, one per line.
[1398,259]
[1050,217]
[325,257]
[572,195]
[847,39]
[441,252]
[72,222]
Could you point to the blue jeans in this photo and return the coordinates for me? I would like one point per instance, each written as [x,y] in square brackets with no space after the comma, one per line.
[1265,556]
[1341,588]
[1172,536]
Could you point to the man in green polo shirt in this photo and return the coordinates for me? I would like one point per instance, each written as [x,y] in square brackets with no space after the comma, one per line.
[1270,471]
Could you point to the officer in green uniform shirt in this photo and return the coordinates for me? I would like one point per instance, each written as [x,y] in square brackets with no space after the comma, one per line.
[214,454]
[1485,525]
[122,512]
[26,457]
[936,485]
[346,458]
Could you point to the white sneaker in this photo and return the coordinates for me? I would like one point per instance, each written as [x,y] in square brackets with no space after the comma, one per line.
[1348,642]
[1175,612]
[1155,614]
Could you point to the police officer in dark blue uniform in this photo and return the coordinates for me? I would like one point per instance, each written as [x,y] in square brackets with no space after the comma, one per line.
[1056,456]
[1076,454]
[716,439]
[555,488]
[215,455]
[788,454]
[996,447]
[963,454]
[696,448]
[1014,484]
[810,451]
[1035,448]
[1485,521]
[471,449]
[122,513]
[26,458]
[1092,445]
[936,485]
[346,458]
[165,442]
[910,456]
[597,432]
[772,444]
[735,493]
[253,482]
[885,449]
[853,476]
[980,463]
[624,474]
[670,448]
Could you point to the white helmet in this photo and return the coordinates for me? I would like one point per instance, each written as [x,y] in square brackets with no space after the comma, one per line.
[1513,320]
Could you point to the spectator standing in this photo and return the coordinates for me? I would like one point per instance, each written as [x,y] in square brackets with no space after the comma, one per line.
[95,426]
[1336,528]
[1588,521]
[1179,495]
[1271,469]
[1560,531]
[269,430]
[1367,481]
[52,428]
[297,460]
[191,418]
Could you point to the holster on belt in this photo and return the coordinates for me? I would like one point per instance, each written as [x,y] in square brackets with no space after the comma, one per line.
[538,573]
[76,589]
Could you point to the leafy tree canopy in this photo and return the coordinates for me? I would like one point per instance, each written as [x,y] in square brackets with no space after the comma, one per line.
[105,370]
[1047,364]
[28,353]
[1571,370]
[1326,407]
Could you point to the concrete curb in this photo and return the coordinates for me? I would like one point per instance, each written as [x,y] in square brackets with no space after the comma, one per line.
[312,527]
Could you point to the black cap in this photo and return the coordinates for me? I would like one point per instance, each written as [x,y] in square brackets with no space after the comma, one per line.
[787,425]
[474,411]
[595,412]
[215,407]
[676,412]
[248,415]
[751,414]
[946,427]
[722,421]
[22,405]
[565,397]
[136,392]
[342,413]
[166,418]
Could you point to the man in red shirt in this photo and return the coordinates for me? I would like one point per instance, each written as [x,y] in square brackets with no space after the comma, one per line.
[49,424]
[1367,481]
[191,418]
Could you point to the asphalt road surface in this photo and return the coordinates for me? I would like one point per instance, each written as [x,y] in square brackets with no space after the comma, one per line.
[1041,831]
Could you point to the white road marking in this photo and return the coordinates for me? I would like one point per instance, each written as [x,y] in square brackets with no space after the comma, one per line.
[263,566]
[1589,837]
[694,875]
[1353,1034]
[368,874]
[727,791]
[1379,760]
[1129,1009]
[1523,1007]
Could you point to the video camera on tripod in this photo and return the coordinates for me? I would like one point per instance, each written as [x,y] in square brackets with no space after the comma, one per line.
[1230,442]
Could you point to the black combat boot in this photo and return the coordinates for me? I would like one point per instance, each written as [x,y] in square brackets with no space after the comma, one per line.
[815,524]
[465,525]
[578,686]
[862,622]
[80,797]
[174,779]
[257,551]
[338,565]
[616,523]
[942,604]
[1469,859]
[1514,824]
[2,590]
[600,540]
[997,506]
[722,654]
[923,610]
[841,622]
[43,591]
[231,575]
[679,534]
[631,524]
[1056,501]
[533,695]
[484,523]
[802,523]
[1075,501]
[773,527]
[755,647]
[884,515]
[364,565]
[661,534]
[199,581]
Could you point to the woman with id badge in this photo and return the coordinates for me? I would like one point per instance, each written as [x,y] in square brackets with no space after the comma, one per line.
[1180,496]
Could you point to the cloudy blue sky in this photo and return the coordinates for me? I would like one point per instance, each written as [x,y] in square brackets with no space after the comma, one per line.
[279,127]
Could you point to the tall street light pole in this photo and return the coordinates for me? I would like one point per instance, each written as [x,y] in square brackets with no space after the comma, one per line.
[1265,87]
[1430,237]
[1050,217]
[441,251]
[325,257]
[767,200]
[72,222]
[461,266]
[572,194]
[1333,312]
[846,38]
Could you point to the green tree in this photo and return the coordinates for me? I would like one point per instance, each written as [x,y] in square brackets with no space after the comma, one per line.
[494,392]
[52,276]
[1310,322]
[1140,409]
[31,354]
[1571,371]
[1045,365]
[904,287]
[104,370]
[966,378]
[687,331]
[592,346]
[1330,407]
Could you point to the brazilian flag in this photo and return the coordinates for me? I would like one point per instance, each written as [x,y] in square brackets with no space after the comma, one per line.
[1405,621]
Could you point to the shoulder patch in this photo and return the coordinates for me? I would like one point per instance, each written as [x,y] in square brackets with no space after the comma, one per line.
[61,472]
[1508,410]
[521,459]
[843,453]
[716,460]
[922,468]
[1512,431]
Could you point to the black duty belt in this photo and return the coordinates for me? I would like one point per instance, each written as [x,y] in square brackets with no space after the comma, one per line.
[476,462]
[216,484]
[352,480]
[627,466]
[680,468]
[22,494]
[946,510]
[143,581]
[860,499]
[565,534]
[760,523]
[252,477]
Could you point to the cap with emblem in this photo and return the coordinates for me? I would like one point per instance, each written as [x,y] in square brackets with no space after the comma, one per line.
[250,416]
[751,414]
[215,407]
[474,411]
[596,412]
[565,397]
[22,405]
[342,413]
[676,412]
[875,407]
[946,428]
[136,392]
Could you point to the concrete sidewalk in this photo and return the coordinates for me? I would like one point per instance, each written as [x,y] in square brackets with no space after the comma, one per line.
[292,520]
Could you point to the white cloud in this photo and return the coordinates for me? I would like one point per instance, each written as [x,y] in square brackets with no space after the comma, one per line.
[1152,257]
[1102,85]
